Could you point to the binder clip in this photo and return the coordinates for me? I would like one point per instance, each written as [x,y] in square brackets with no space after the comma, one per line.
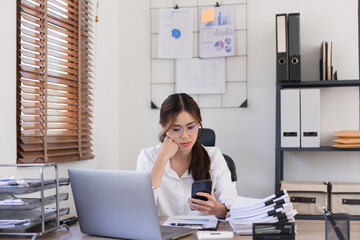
[337,225]
[176,6]
[217,4]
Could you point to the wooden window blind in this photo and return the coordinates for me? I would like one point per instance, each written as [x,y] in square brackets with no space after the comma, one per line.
[55,41]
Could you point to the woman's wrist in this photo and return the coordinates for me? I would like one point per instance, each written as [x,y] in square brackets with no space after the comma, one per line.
[162,158]
[221,212]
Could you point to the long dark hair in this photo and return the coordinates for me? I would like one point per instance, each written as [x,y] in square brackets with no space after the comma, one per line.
[199,166]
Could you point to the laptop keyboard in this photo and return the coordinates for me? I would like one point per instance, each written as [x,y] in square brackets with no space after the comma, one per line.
[168,232]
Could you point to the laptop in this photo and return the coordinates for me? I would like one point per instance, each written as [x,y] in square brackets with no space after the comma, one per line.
[118,203]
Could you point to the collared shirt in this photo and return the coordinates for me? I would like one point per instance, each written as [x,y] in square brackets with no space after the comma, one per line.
[171,197]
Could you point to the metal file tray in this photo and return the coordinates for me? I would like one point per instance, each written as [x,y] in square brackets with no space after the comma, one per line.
[31,185]
[28,216]
[20,219]
[31,203]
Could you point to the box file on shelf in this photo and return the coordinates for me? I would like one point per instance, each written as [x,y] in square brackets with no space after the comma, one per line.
[307,198]
[345,197]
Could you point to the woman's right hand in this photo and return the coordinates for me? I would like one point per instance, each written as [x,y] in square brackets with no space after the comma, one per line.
[168,148]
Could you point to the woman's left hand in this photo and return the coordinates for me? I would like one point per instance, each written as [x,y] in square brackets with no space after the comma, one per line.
[209,207]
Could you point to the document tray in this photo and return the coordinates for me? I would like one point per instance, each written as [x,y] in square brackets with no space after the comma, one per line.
[30,203]
[31,185]
[21,220]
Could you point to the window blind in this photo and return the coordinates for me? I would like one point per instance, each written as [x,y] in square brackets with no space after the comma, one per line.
[55,40]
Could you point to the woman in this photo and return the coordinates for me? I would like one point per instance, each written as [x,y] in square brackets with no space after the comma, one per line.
[181,159]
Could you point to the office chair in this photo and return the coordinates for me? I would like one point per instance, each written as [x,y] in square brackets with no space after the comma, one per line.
[208,139]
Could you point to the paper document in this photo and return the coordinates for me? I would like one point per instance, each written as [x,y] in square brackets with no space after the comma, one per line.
[29,185]
[272,209]
[26,219]
[176,33]
[200,76]
[12,203]
[217,37]
[197,222]
[246,200]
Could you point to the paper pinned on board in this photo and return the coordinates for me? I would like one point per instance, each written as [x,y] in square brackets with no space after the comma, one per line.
[217,37]
[175,33]
[200,76]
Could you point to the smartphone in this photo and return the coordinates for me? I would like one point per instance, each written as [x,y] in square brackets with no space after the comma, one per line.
[201,186]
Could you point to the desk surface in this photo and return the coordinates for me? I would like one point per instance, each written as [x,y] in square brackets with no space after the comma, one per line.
[306,230]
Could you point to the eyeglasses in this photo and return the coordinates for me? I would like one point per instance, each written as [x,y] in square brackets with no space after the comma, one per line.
[177,132]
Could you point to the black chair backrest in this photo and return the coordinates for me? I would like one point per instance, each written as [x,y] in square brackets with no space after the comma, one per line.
[208,139]
[231,166]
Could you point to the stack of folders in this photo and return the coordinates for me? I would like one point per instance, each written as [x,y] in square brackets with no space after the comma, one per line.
[288,57]
[347,139]
[272,209]
[326,67]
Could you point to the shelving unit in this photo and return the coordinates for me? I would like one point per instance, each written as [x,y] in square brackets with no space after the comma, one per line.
[30,217]
[279,151]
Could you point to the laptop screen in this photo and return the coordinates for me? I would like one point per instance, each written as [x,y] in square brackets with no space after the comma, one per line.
[115,203]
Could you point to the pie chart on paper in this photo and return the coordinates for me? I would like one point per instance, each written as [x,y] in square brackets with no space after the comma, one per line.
[219,45]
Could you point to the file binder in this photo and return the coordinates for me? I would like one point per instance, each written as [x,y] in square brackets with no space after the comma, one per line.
[290,117]
[323,61]
[310,117]
[329,68]
[282,66]
[294,47]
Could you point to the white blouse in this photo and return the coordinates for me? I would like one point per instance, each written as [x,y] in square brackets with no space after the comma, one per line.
[171,197]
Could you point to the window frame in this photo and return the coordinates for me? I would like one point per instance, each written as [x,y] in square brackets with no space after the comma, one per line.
[63,111]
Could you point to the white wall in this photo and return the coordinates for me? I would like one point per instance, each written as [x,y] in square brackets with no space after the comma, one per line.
[124,122]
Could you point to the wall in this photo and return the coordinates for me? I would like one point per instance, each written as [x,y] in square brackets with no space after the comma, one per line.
[248,135]
[124,122]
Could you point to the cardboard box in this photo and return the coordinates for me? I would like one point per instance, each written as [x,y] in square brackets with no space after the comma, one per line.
[345,197]
[308,198]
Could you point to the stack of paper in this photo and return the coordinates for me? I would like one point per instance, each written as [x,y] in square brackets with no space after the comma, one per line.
[10,202]
[28,185]
[20,219]
[272,209]
[208,222]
